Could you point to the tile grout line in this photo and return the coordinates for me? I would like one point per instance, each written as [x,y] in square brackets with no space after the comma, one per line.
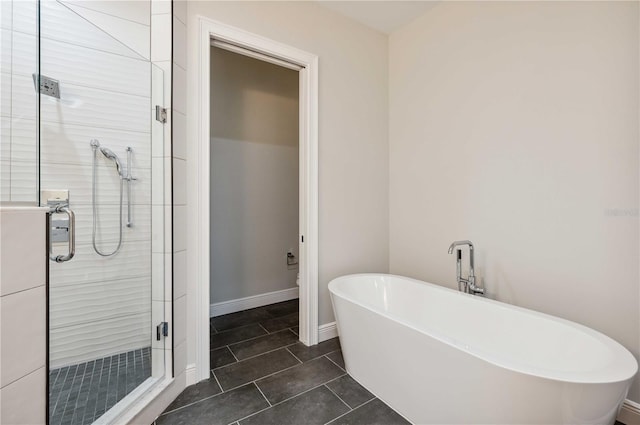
[254,413]
[303,392]
[83,19]
[339,398]
[232,353]
[346,413]
[217,382]
[238,342]
[265,397]
[61,41]
[262,377]
[283,401]
[265,329]
[336,378]
[258,379]
[257,355]
[168,412]
[327,356]
[294,356]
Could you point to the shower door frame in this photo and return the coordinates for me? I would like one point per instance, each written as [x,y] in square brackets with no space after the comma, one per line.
[137,401]
[208,31]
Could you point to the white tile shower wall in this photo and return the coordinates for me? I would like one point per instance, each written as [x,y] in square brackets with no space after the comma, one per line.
[100,54]
[23,261]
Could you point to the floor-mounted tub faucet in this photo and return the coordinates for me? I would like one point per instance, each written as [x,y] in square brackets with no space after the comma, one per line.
[467,285]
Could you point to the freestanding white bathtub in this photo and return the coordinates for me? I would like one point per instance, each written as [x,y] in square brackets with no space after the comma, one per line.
[438,356]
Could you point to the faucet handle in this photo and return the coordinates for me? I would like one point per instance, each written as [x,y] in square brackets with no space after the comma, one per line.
[476,290]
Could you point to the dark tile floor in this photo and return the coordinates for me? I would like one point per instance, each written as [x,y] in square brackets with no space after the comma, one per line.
[81,393]
[262,375]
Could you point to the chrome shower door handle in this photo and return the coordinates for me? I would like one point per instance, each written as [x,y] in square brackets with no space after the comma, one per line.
[72,233]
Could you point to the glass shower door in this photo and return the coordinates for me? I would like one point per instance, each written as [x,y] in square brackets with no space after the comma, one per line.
[98,89]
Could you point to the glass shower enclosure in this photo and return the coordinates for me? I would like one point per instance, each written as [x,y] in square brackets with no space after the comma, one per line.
[82,125]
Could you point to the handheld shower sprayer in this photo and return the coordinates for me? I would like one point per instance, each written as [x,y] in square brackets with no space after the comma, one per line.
[109,154]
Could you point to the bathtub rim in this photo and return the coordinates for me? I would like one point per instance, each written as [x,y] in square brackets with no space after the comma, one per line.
[558,376]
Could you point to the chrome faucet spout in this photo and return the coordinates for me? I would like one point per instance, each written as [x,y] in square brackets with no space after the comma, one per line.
[459,243]
[468,284]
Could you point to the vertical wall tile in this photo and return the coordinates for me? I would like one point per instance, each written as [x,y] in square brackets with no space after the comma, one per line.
[23,401]
[179,320]
[158,267]
[159,7]
[160,167]
[168,277]
[24,249]
[22,347]
[161,36]
[157,229]
[179,228]
[165,66]
[158,362]
[179,274]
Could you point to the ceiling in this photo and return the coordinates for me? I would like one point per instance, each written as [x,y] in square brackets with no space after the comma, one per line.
[385,16]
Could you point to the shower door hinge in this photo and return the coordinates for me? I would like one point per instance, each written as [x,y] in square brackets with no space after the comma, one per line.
[162,330]
[161,114]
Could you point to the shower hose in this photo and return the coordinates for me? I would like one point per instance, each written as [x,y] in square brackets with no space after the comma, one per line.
[95,210]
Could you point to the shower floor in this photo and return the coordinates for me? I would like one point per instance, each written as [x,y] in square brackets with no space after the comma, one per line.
[80,394]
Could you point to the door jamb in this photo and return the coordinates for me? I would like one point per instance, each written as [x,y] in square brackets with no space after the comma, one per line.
[308,178]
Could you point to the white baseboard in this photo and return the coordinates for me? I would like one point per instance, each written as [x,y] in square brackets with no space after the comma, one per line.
[630,413]
[327,331]
[232,306]
[190,374]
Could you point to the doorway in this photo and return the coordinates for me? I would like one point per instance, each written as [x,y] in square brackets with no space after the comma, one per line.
[254,197]
[258,48]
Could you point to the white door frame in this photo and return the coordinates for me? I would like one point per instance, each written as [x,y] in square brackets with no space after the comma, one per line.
[308,209]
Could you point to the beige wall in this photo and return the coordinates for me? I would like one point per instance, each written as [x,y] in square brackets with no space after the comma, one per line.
[353,131]
[516,125]
[253,100]
[254,176]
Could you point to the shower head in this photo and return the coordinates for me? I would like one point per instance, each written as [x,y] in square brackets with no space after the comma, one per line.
[108,153]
